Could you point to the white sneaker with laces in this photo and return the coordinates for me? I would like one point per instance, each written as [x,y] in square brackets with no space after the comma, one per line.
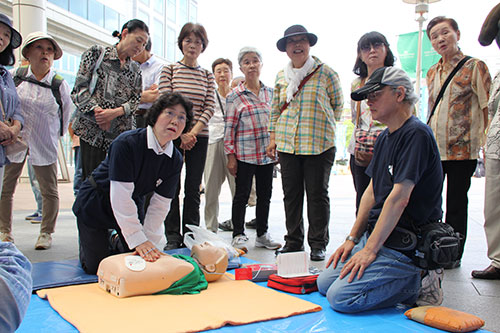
[44,241]
[431,292]
[240,242]
[266,241]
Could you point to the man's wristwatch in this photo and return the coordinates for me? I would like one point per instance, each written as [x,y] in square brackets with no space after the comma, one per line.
[353,239]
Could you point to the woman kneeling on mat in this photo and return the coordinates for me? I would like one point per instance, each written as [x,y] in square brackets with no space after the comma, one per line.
[112,198]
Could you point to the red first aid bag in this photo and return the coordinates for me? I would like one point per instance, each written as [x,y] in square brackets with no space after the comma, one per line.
[296,285]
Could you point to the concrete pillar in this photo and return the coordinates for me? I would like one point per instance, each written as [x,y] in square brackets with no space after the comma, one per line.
[29,16]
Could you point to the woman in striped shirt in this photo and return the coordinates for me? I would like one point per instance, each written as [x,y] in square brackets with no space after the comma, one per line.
[198,84]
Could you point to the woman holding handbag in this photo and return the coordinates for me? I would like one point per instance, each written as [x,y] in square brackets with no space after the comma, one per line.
[107,91]
[198,84]
[373,52]
[10,39]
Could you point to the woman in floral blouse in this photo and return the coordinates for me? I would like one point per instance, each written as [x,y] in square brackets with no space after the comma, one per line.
[105,107]
[459,119]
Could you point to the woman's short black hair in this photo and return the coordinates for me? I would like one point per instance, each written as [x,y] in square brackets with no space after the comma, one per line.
[197,29]
[7,56]
[440,19]
[368,39]
[131,26]
[166,100]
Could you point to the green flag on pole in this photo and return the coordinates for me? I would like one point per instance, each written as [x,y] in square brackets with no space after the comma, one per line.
[407,53]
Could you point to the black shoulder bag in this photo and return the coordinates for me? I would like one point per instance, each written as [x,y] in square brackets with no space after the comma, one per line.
[445,85]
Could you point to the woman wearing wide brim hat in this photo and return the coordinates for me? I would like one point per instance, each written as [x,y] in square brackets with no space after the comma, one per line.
[38,35]
[306,103]
[45,122]
[9,103]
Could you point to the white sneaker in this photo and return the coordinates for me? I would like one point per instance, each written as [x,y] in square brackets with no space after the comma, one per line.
[266,241]
[6,237]
[240,242]
[44,241]
[431,292]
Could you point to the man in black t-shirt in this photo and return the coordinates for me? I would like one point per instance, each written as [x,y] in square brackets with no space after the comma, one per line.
[406,185]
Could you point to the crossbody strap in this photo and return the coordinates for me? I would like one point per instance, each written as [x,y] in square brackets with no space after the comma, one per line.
[220,102]
[93,80]
[445,85]
[302,83]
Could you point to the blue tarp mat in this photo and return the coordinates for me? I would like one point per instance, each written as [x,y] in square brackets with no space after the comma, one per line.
[42,318]
[52,274]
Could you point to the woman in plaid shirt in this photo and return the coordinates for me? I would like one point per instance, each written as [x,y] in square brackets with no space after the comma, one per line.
[245,141]
[303,133]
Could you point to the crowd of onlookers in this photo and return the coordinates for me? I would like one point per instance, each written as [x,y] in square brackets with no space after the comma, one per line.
[136,122]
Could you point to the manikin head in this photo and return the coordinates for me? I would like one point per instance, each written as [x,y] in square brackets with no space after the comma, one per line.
[212,260]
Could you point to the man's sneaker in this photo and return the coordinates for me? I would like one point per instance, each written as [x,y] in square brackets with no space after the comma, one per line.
[6,237]
[240,242]
[32,216]
[36,220]
[252,224]
[44,241]
[431,292]
[266,241]
[226,225]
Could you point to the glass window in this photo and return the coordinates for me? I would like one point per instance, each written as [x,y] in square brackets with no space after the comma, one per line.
[112,19]
[171,8]
[96,12]
[143,16]
[123,20]
[157,38]
[183,12]
[171,44]
[193,12]
[158,6]
[146,2]
[78,7]
[60,3]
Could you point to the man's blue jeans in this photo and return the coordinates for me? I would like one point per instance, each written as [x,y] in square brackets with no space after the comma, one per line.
[392,278]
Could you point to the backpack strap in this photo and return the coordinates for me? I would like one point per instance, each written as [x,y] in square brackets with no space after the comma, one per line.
[21,72]
[57,80]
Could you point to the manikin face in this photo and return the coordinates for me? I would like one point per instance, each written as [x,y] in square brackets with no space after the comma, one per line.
[212,260]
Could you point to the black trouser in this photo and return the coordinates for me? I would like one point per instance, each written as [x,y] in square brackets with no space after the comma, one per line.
[458,175]
[194,160]
[264,188]
[91,158]
[94,218]
[360,180]
[312,173]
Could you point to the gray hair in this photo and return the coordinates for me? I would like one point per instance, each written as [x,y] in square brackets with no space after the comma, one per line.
[248,49]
